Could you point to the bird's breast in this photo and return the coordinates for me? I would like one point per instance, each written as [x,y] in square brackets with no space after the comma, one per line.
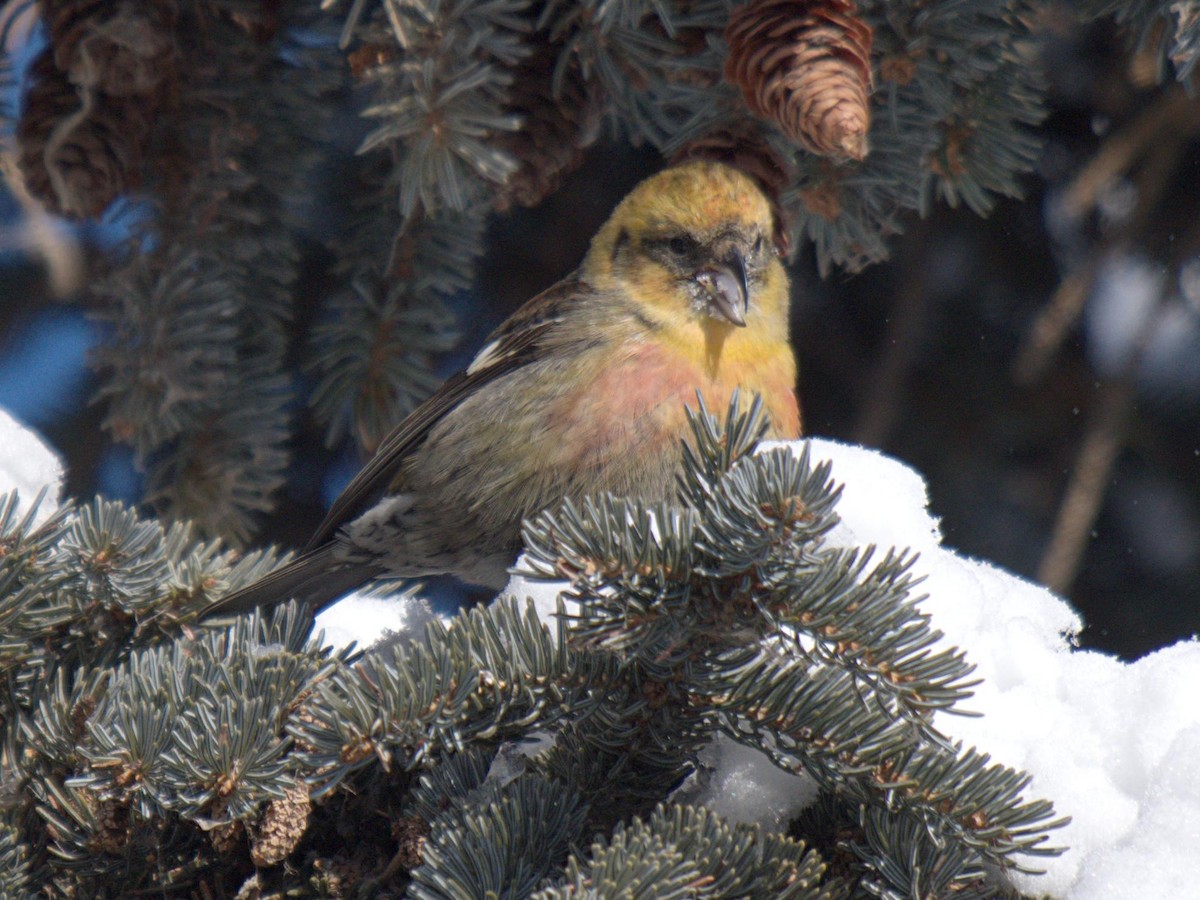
[637,404]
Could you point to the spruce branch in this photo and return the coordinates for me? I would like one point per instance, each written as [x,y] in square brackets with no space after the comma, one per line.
[440,100]
[26,577]
[375,350]
[169,764]
[89,585]
[738,618]
[131,767]
[625,48]
[494,673]
[15,879]
[201,305]
[1185,48]
[502,846]
[690,851]
[1168,29]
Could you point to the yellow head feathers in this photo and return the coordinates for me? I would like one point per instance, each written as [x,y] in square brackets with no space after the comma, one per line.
[696,197]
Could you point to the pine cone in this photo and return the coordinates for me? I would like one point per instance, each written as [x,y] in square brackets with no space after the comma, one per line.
[51,100]
[281,827]
[227,837]
[121,48]
[77,154]
[557,128]
[112,827]
[410,833]
[806,65]
[743,145]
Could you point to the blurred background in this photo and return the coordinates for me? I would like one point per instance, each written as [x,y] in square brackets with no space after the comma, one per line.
[1040,366]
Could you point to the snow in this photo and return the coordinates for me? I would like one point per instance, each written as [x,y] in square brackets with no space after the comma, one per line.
[1112,744]
[740,783]
[27,464]
[366,617]
[1135,315]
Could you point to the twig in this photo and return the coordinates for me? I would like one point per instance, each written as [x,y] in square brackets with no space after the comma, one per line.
[1053,322]
[1173,111]
[1161,132]
[1090,477]
[39,234]
[1109,421]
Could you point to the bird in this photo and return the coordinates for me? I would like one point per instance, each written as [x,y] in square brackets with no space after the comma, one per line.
[582,391]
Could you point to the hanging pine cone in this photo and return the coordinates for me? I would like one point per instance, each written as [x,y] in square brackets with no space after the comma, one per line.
[50,100]
[743,145]
[78,149]
[113,829]
[283,823]
[806,65]
[121,48]
[228,836]
[557,127]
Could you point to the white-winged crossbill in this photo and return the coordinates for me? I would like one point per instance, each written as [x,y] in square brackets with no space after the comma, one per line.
[581,391]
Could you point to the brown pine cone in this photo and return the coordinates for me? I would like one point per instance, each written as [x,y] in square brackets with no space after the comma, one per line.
[121,48]
[806,65]
[79,150]
[282,825]
[50,100]
[556,130]
[228,836]
[112,827]
[410,833]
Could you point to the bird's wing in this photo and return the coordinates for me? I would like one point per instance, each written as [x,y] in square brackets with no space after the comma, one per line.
[517,342]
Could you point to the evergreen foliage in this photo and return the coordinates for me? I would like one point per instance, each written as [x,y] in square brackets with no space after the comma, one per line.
[493,755]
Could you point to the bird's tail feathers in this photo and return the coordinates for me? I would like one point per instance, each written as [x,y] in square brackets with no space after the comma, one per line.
[315,579]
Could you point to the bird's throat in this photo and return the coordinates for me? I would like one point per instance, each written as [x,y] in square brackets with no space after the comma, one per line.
[715,334]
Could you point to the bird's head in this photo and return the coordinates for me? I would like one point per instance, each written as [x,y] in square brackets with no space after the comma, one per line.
[692,247]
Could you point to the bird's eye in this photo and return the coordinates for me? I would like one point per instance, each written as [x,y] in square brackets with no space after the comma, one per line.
[680,245]
[758,245]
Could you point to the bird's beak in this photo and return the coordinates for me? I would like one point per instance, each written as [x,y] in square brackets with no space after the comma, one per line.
[727,289]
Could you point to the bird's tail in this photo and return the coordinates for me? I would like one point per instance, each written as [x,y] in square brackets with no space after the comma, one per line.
[315,578]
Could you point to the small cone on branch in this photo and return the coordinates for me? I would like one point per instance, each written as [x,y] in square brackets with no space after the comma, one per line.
[743,145]
[283,823]
[51,100]
[78,150]
[121,48]
[805,65]
[113,828]
[228,836]
[560,122]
